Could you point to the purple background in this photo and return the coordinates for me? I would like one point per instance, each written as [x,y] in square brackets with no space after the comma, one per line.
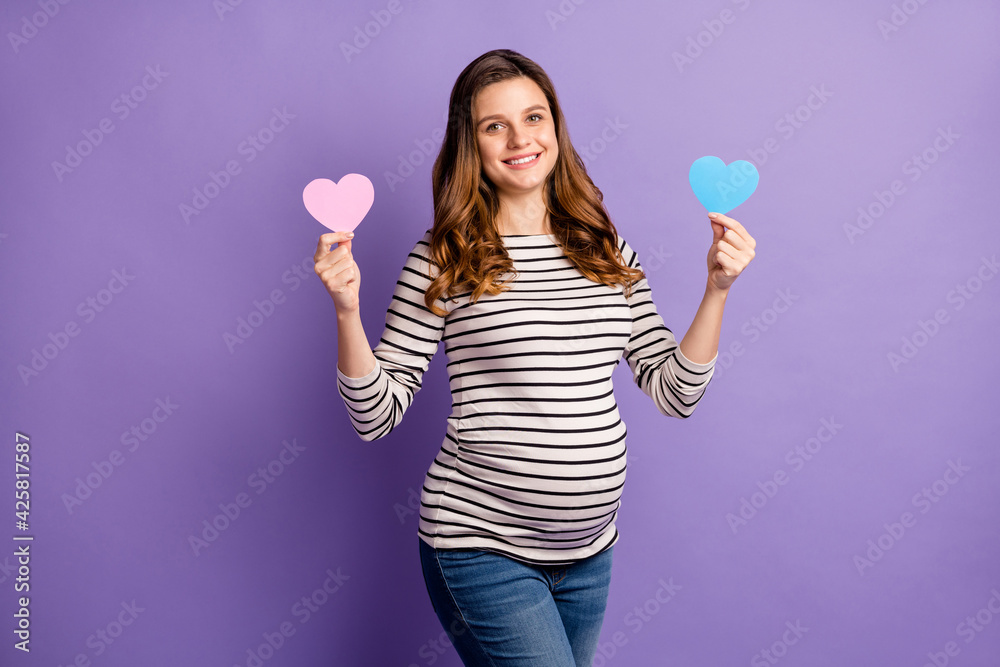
[342,503]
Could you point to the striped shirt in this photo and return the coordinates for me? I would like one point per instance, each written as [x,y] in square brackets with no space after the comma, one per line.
[533,459]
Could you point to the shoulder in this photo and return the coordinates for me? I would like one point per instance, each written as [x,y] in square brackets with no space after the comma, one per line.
[419,258]
[628,254]
[422,248]
[423,244]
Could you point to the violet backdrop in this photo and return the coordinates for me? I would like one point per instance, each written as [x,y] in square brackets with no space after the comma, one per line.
[840,476]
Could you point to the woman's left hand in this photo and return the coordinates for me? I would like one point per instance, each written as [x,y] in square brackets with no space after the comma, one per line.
[731,251]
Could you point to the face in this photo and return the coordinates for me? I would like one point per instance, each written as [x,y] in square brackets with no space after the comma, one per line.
[513,122]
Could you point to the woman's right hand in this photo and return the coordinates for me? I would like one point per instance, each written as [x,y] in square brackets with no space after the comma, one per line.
[338,271]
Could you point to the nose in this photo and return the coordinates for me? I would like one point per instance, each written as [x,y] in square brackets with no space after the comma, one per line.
[518,137]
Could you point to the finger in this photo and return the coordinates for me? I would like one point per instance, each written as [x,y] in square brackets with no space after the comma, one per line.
[736,241]
[336,258]
[729,266]
[330,238]
[342,238]
[323,245]
[323,265]
[734,224]
[736,258]
[326,241]
[717,230]
[726,248]
[340,280]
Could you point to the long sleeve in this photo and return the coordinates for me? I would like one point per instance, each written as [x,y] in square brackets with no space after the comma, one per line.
[377,401]
[659,368]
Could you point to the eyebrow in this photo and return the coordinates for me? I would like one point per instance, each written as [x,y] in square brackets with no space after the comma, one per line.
[498,115]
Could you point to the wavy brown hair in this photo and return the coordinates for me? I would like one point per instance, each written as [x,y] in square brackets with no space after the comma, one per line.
[465,240]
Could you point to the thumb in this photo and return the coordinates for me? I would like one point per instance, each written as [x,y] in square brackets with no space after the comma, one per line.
[344,242]
[718,229]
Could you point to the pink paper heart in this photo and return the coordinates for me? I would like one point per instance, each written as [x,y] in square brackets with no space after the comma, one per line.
[339,206]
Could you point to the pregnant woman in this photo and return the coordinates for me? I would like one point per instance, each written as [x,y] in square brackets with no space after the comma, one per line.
[536,298]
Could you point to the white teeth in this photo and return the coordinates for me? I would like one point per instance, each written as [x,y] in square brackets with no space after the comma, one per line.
[522,160]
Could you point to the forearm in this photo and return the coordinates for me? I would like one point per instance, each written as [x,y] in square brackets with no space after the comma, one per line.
[701,342]
[354,354]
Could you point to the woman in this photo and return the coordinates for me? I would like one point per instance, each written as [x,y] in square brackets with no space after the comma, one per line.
[523,277]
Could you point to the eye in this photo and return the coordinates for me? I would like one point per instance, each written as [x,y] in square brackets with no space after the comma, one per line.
[536,115]
[490,126]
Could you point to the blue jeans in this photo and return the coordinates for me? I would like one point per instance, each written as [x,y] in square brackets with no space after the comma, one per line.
[501,612]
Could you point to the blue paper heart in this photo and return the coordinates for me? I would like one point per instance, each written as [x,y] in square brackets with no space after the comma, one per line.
[719,187]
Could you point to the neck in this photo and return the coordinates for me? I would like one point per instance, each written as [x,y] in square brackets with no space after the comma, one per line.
[523,214]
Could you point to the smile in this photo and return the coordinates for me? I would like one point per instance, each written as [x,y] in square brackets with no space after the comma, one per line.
[523,160]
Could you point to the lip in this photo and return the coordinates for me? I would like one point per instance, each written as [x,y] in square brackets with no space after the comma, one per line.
[518,157]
